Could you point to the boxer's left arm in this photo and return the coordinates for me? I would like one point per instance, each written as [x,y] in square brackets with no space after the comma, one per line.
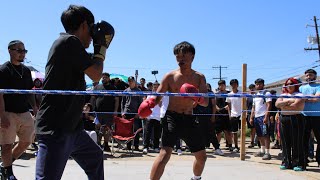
[163,87]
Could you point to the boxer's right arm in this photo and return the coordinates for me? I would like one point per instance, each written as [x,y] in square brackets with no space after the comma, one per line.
[102,36]
[145,107]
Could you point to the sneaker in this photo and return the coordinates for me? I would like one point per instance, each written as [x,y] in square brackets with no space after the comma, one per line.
[34,146]
[12,177]
[5,176]
[106,148]
[156,150]
[276,146]
[251,145]
[230,149]
[179,152]
[283,167]
[310,159]
[266,156]
[298,168]
[236,150]
[218,152]
[259,154]
[145,151]
[195,179]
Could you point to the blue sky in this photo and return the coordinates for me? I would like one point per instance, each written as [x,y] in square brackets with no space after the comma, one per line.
[270,36]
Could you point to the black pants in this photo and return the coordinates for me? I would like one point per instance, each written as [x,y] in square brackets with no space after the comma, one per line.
[54,151]
[312,123]
[209,131]
[152,124]
[292,138]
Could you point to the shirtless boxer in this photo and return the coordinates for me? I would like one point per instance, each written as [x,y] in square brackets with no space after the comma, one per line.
[179,121]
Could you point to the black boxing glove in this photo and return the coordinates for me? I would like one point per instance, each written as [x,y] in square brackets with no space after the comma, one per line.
[102,35]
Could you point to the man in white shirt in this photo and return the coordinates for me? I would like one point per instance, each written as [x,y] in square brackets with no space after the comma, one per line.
[234,110]
[260,116]
[153,124]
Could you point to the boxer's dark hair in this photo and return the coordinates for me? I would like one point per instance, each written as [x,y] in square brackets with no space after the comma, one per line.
[184,47]
[75,15]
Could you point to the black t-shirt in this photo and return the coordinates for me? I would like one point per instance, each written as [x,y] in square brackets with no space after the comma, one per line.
[221,102]
[15,77]
[105,103]
[249,104]
[67,61]
[204,110]
[87,123]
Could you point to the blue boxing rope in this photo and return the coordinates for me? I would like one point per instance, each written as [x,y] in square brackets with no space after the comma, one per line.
[198,114]
[144,93]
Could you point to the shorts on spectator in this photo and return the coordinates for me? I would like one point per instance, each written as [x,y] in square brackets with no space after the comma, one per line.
[235,124]
[21,125]
[222,123]
[258,123]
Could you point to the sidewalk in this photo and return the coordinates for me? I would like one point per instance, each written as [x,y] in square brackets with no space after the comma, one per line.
[230,166]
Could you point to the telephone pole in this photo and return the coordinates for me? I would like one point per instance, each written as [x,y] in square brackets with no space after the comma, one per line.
[317,37]
[220,68]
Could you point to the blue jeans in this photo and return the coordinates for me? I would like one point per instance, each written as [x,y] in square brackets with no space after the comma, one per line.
[54,151]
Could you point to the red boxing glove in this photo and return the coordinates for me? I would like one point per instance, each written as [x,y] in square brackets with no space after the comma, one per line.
[189,88]
[145,107]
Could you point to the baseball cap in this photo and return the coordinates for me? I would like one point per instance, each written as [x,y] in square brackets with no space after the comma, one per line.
[131,78]
[14,42]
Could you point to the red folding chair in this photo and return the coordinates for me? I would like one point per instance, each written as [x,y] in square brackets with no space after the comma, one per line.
[123,133]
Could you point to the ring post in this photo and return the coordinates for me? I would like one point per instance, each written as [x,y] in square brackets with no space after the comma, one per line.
[244,113]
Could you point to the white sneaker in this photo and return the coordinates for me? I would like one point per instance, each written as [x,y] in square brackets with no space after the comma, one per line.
[145,151]
[218,152]
[156,150]
[179,152]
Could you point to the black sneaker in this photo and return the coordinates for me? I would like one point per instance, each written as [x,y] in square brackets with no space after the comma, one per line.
[195,179]
[34,146]
[230,149]
[236,149]
[251,145]
[106,148]
[5,176]
[276,146]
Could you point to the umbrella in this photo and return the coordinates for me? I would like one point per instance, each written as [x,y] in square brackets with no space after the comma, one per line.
[120,76]
[37,74]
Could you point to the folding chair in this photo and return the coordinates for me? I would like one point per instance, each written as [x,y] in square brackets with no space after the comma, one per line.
[123,133]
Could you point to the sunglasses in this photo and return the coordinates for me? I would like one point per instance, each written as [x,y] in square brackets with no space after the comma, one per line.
[20,50]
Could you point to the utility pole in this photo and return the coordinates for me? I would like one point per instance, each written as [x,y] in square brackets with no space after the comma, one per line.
[219,67]
[317,37]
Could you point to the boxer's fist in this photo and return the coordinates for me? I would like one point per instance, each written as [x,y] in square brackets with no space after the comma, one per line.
[189,88]
[145,107]
[102,35]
